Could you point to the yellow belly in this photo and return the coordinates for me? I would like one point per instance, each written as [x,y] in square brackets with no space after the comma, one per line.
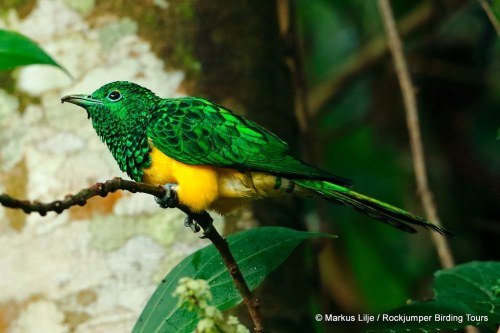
[202,187]
[197,184]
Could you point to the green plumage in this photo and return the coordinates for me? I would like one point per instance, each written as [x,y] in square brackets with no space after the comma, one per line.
[198,132]
[376,209]
[123,128]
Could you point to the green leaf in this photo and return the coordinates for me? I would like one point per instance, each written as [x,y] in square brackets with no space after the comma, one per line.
[495,6]
[468,294]
[17,50]
[257,251]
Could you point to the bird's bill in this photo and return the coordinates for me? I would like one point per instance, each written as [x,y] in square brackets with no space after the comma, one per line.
[80,100]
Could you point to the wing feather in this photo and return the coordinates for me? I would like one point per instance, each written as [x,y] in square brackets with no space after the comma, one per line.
[197,131]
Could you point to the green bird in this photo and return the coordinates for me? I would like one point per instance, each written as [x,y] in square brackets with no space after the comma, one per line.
[209,158]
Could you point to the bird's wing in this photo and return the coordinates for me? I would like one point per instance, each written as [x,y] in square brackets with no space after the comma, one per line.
[196,131]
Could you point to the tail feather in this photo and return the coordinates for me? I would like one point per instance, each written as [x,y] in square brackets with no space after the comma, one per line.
[391,215]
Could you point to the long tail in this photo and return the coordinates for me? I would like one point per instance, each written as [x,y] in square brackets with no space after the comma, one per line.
[373,208]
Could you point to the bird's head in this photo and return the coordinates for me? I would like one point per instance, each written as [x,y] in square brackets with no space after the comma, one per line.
[116,101]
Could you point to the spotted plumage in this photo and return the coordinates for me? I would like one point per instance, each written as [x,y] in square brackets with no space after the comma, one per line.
[213,158]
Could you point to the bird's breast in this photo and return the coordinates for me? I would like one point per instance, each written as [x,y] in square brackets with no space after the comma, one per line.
[162,169]
[228,187]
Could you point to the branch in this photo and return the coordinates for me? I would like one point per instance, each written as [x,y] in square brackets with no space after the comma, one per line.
[203,219]
[370,54]
[412,121]
[252,303]
[401,67]
[80,199]
[491,16]
[366,58]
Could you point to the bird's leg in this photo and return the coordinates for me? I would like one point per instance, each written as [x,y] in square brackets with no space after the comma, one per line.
[206,222]
[192,220]
[170,200]
[196,221]
[191,223]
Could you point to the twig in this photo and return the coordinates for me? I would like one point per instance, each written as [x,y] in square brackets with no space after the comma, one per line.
[252,303]
[401,67]
[203,219]
[80,199]
[287,18]
[288,25]
[368,56]
[491,15]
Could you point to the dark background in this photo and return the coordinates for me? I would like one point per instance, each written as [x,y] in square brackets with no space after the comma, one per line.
[354,125]
[318,73]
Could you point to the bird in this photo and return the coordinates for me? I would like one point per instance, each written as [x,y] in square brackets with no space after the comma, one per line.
[209,158]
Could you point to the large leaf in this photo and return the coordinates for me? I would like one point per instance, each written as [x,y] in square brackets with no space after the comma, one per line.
[257,251]
[17,50]
[468,294]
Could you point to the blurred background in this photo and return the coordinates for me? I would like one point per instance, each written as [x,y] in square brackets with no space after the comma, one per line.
[319,74]
[359,129]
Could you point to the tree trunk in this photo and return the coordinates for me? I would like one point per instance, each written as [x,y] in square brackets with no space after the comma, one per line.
[241,58]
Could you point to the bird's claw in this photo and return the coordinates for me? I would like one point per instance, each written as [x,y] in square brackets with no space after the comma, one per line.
[207,231]
[170,200]
[191,223]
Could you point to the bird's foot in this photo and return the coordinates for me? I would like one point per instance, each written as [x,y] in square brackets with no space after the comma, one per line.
[207,222]
[191,223]
[170,200]
[195,221]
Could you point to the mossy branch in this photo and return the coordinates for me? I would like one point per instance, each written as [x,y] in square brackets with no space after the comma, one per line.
[203,219]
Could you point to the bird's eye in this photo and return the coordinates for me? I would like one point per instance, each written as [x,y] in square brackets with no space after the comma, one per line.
[114,96]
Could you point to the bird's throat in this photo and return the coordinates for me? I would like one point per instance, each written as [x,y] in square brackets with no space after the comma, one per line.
[127,142]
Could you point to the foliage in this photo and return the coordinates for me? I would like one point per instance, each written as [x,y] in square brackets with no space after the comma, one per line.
[361,134]
[468,294]
[459,102]
[257,251]
[17,50]
[196,295]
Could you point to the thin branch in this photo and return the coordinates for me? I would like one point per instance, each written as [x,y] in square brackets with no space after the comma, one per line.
[251,302]
[288,23]
[80,199]
[424,191]
[491,16]
[203,219]
[287,18]
[371,53]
